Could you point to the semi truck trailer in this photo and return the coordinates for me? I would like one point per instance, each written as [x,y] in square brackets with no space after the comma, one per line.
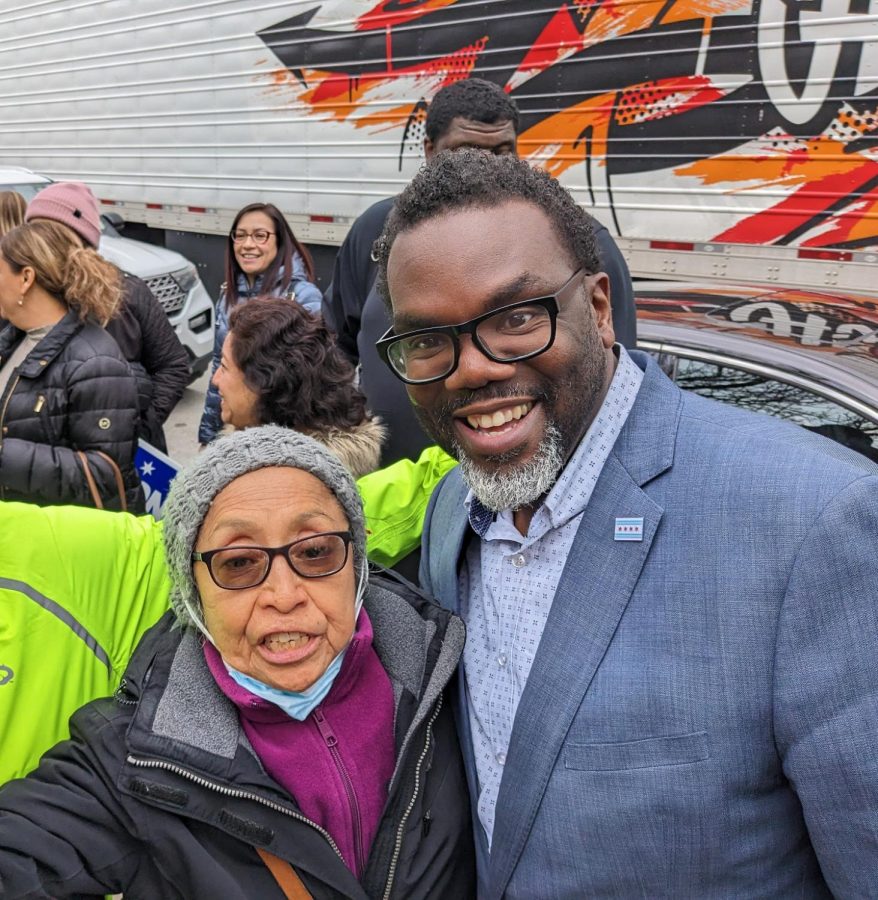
[718,140]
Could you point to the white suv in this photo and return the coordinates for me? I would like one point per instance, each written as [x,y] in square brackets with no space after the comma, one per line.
[170,276]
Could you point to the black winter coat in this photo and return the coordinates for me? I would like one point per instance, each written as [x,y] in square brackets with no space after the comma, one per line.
[158,359]
[159,795]
[73,392]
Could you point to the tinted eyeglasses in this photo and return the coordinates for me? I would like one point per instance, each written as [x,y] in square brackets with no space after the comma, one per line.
[260,236]
[237,568]
[512,333]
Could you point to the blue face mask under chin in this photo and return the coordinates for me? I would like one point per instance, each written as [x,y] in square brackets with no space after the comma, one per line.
[297,706]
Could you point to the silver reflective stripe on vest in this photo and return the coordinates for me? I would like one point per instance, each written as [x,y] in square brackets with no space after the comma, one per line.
[60,613]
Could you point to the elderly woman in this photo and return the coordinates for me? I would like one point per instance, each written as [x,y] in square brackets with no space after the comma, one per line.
[281,733]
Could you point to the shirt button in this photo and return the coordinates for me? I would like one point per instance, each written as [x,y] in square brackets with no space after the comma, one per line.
[502,659]
[518,560]
[501,758]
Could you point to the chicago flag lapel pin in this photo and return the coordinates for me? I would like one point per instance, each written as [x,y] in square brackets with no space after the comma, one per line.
[629,529]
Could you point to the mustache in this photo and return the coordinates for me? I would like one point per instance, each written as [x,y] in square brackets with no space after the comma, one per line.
[490,392]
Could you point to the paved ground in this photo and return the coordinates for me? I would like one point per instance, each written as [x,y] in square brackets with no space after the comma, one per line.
[181,429]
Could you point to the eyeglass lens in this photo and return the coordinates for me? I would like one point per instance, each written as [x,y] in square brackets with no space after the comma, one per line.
[260,236]
[314,557]
[512,333]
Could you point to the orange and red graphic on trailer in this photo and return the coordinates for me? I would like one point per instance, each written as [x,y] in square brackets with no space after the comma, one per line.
[767,106]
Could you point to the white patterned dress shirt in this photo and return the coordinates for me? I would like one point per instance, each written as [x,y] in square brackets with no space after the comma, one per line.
[509,580]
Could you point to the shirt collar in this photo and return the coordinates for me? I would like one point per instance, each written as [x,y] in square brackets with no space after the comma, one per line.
[570,493]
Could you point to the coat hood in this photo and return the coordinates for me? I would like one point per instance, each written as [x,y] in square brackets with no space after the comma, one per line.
[359,448]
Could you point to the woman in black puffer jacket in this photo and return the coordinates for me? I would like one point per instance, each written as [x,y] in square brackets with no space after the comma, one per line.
[68,400]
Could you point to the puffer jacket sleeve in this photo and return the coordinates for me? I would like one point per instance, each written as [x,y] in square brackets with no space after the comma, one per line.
[306,292]
[211,419]
[103,417]
[64,830]
[162,355]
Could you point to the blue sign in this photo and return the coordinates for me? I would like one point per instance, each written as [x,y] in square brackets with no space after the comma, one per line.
[156,472]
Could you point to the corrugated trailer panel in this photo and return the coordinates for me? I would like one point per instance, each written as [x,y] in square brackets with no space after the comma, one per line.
[723,121]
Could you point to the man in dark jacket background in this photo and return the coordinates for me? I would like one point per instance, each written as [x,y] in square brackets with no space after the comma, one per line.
[140,328]
[468,113]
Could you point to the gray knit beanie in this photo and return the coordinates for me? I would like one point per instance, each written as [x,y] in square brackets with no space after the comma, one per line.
[228,457]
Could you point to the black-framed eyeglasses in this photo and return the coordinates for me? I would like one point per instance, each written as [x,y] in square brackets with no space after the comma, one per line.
[510,334]
[260,236]
[237,568]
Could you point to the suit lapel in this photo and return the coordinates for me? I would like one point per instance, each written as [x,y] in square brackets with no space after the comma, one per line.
[448,528]
[594,590]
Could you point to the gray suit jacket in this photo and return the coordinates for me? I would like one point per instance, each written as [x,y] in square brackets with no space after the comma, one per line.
[701,717]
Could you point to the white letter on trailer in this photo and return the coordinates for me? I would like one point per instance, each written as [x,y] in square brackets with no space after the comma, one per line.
[867,71]
[826,29]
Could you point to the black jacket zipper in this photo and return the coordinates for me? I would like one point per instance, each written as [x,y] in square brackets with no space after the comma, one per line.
[397,847]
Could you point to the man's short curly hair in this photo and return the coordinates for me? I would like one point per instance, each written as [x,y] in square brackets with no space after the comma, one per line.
[292,362]
[470,179]
[469,98]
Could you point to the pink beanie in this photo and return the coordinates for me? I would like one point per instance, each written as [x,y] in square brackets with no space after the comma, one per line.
[72,204]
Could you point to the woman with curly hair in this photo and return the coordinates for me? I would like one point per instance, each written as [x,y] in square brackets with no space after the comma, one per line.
[263,259]
[68,400]
[280,365]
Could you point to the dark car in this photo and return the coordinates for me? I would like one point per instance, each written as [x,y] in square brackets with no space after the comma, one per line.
[808,357]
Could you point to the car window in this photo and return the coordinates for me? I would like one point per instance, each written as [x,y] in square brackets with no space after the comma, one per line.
[28,191]
[108,228]
[776,398]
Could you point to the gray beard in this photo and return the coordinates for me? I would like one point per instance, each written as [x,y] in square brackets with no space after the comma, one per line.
[511,486]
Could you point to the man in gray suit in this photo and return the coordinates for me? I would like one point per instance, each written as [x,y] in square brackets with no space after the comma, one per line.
[669,684]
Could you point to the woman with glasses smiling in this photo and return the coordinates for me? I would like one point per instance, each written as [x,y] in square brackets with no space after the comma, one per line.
[263,258]
[282,731]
